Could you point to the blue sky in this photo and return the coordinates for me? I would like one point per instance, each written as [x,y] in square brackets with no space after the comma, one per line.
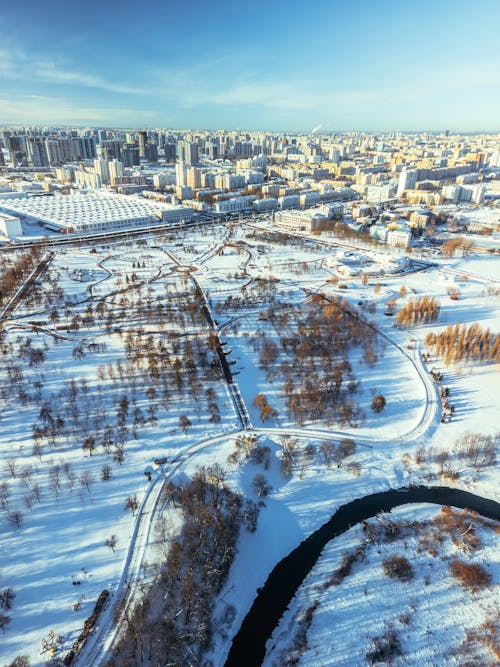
[279,64]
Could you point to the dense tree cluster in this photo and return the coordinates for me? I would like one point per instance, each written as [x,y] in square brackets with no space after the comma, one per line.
[343,231]
[172,623]
[258,291]
[317,375]
[449,248]
[465,342]
[14,271]
[418,311]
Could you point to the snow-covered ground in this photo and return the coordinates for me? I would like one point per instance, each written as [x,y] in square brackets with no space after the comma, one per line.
[431,615]
[57,558]
[61,537]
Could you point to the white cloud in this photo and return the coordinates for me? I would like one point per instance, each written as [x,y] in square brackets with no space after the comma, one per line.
[227,87]
[16,64]
[48,110]
[50,73]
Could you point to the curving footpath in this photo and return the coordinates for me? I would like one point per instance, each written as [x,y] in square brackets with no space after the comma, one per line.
[106,632]
[107,629]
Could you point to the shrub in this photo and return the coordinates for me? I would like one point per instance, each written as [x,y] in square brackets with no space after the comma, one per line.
[470,575]
[349,559]
[398,567]
[385,648]
[378,403]
[21,660]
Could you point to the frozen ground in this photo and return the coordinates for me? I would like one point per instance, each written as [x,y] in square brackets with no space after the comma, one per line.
[61,538]
[432,615]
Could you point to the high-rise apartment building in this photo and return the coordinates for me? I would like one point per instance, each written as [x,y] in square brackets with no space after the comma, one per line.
[83,148]
[194,178]
[101,168]
[54,152]
[180,174]
[17,149]
[188,152]
[170,152]
[150,152]
[37,152]
[130,155]
[142,138]
[111,149]
[115,169]
[407,180]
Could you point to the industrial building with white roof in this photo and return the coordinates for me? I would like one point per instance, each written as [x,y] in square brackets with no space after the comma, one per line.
[93,211]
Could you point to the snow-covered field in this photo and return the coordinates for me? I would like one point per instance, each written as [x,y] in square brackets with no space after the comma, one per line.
[123,300]
[427,616]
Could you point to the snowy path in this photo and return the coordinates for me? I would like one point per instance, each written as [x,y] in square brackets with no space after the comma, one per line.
[469,274]
[99,644]
[25,286]
[106,632]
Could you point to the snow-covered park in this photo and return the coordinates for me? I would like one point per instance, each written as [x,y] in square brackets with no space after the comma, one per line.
[127,367]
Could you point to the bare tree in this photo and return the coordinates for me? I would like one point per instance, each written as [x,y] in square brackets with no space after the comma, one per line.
[89,444]
[260,486]
[4,495]
[185,423]
[4,622]
[327,450]
[132,504]
[111,542]
[7,597]
[106,472]
[16,518]
[86,479]
[11,466]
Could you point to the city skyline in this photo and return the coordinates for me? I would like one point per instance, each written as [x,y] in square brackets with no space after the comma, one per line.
[365,66]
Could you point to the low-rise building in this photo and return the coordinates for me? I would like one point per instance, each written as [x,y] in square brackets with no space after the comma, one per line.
[262,205]
[299,220]
[309,198]
[399,237]
[289,201]
[233,205]
[379,232]
[419,219]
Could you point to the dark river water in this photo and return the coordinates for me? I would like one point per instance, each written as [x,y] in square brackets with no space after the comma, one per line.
[249,644]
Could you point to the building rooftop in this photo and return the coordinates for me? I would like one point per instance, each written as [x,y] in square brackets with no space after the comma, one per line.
[80,210]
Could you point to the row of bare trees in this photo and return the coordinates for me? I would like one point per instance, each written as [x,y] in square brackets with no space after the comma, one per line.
[14,271]
[465,342]
[418,311]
